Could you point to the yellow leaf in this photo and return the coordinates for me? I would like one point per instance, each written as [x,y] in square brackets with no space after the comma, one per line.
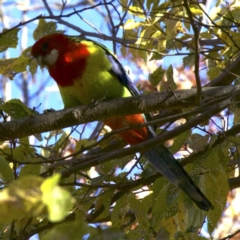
[22,198]
[196,11]
[131,24]
[58,201]
[137,11]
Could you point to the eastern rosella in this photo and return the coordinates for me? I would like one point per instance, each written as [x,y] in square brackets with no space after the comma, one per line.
[86,70]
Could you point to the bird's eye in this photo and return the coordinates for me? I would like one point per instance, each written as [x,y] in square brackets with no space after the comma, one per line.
[45,45]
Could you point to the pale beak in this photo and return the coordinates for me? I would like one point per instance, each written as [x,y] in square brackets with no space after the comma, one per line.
[40,62]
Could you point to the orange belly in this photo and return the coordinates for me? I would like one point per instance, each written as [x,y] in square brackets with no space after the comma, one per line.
[133,136]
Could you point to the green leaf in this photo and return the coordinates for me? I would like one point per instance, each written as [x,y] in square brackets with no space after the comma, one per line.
[123,161]
[189,217]
[33,67]
[156,56]
[172,28]
[179,141]
[106,169]
[83,144]
[214,55]
[124,51]
[10,67]
[172,207]
[170,81]
[75,229]
[141,54]
[189,60]
[20,153]
[198,142]
[206,34]
[99,179]
[215,184]
[163,233]
[124,4]
[5,171]
[31,169]
[9,39]
[127,208]
[22,198]
[213,139]
[165,203]
[140,210]
[213,72]
[235,14]
[169,75]
[156,76]
[149,3]
[58,201]
[235,109]
[45,28]
[16,109]
[103,203]
[108,233]
[194,236]
[118,216]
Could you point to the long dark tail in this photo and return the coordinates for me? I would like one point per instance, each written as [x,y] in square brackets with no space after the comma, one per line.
[166,164]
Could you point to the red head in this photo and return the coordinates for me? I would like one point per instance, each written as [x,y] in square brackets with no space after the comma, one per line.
[64,56]
[47,49]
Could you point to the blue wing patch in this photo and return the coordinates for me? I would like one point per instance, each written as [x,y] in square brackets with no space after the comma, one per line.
[118,70]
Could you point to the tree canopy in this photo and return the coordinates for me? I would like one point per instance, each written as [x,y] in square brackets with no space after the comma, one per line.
[66,176]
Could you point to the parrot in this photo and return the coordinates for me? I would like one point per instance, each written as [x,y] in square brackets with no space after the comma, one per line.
[86,71]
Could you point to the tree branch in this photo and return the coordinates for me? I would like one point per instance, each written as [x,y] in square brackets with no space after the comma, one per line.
[89,161]
[99,111]
[196,47]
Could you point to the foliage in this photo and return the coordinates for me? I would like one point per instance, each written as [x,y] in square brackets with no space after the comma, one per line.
[82,182]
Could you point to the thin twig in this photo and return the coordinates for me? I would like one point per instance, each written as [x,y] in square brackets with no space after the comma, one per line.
[197,57]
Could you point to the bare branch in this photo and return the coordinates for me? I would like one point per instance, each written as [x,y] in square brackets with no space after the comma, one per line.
[117,107]
[85,163]
[231,235]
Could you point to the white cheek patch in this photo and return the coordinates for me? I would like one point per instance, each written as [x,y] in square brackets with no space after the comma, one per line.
[52,57]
